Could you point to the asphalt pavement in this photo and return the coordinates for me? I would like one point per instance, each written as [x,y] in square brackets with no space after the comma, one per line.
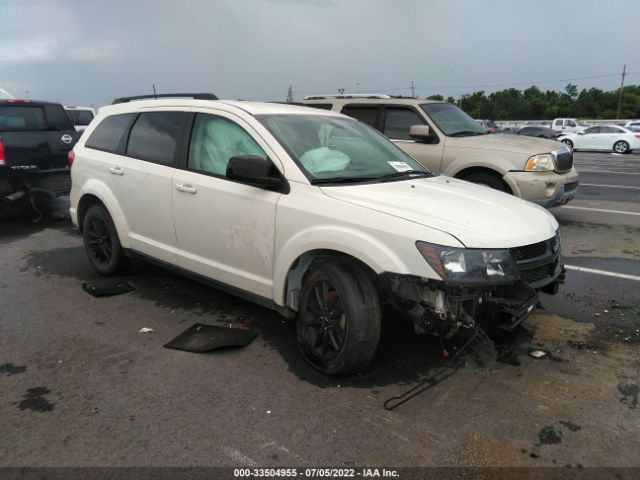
[81,386]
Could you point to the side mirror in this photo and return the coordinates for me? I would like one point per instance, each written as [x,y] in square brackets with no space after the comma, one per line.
[580,132]
[255,171]
[420,132]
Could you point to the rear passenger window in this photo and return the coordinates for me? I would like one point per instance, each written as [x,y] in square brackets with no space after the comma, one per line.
[398,121]
[367,115]
[109,134]
[215,140]
[155,135]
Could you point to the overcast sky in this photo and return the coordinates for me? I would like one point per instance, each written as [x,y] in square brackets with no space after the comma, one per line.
[88,52]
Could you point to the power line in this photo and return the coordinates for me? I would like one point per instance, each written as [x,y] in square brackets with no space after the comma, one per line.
[453,87]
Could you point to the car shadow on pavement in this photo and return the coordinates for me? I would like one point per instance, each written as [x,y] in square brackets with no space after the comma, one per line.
[403,358]
[21,220]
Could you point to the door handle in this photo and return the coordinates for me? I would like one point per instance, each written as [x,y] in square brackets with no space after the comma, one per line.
[116,170]
[186,188]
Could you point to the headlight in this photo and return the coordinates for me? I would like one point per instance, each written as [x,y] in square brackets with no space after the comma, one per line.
[467,266]
[540,163]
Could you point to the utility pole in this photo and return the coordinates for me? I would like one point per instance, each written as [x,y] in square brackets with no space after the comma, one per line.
[413,90]
[624,72]
[290,94]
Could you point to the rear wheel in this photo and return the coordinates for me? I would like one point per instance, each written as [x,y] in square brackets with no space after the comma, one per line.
[621,147]
[101,242]
[568,143]
[488,180]
[338,325]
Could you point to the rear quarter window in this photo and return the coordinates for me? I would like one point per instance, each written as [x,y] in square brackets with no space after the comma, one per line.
[22,118]
[109,135]
[155,135]
[57,118]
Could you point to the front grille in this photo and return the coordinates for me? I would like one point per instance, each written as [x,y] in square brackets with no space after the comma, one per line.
[564,161]
[534,275]
[537,262]
[530,251]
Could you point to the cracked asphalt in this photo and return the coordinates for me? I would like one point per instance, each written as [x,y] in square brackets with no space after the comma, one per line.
[80,386]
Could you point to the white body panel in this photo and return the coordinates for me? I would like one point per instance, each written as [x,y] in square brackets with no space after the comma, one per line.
[249,237]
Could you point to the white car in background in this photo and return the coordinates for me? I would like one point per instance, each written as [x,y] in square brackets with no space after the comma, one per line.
[80,116]
[568,125]
[603,137]
[634,125]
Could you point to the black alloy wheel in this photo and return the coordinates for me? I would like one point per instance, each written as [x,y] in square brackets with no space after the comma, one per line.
[101,242]
[338,324]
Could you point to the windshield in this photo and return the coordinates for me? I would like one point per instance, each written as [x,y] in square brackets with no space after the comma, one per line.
[451,120]
[581,123]
[341,149]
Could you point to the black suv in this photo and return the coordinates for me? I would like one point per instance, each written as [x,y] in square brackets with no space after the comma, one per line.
[35,140]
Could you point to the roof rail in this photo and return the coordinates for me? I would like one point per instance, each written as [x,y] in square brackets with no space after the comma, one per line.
[347,96]
[195,96]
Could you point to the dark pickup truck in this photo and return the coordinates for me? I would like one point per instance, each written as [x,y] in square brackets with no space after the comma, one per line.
[35,140]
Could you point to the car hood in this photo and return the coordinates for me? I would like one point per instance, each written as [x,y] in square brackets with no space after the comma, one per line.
[505,143]
[477,216]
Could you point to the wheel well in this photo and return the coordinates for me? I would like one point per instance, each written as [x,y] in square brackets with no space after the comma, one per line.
[85,202]
[471,170]
[304,262]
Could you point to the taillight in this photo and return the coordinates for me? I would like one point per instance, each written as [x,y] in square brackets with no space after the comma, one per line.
[2,160]
[18,100]
[637,135]
[71,156]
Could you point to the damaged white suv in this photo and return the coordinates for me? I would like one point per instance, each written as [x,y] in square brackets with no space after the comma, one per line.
[308,212]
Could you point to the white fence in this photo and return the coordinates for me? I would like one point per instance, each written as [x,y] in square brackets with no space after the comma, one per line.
[547,123]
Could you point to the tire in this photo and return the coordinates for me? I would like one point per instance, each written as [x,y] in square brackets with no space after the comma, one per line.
[621,147]
[338,324]
[488,180]
[567,142]
[101,242]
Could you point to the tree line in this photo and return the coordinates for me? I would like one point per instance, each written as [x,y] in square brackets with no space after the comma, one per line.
[534,104]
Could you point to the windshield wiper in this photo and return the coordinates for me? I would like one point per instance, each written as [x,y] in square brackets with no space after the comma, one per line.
[406,173]
[465,133]
[326,181]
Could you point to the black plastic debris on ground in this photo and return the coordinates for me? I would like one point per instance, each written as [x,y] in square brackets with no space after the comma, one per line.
[108,288]
[204,338]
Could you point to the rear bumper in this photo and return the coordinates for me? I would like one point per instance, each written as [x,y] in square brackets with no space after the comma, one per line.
[53,182]
[547,189]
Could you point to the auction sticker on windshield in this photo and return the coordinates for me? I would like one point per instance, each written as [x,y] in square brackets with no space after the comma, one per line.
[400,166]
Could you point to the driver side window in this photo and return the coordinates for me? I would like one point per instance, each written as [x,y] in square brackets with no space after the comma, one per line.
[214,140]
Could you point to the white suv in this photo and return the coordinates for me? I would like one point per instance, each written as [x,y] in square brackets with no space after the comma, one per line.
[311,213]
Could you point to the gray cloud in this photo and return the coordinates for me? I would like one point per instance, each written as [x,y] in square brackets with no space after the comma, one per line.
[88,52]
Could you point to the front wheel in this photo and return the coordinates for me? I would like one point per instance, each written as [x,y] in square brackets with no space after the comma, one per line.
[488,180]
[101,242]
[621,147]
[338,324]
[568,143]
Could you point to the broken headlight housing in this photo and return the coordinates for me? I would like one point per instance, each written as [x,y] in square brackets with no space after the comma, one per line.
[470,266]
[543,162]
